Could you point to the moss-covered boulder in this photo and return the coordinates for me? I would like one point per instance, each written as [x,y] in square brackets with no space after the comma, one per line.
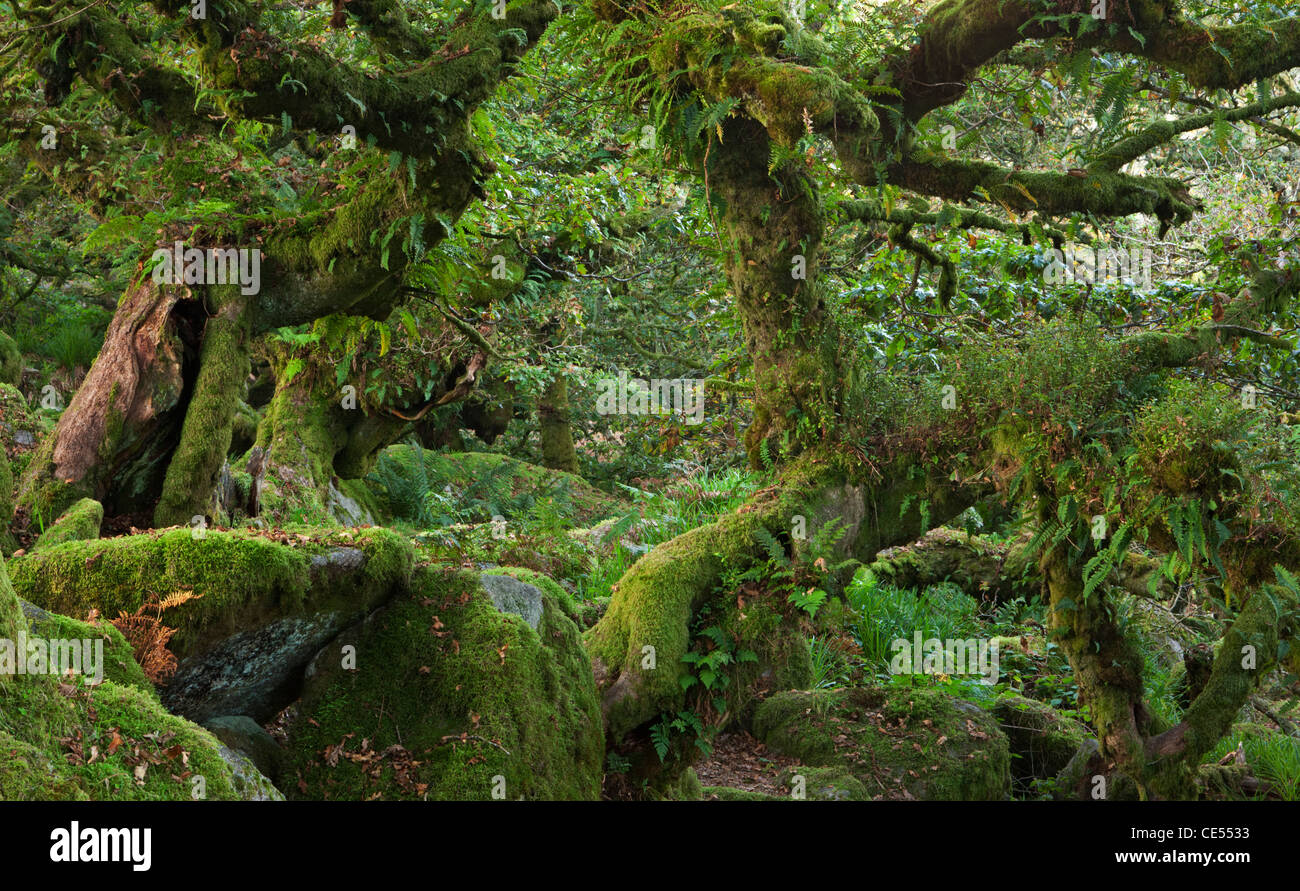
[80,522]
[265,604]
[63,739]
[442,696]
[1041,739]
[824,784]
[898,742]
[119,665]
[248,781]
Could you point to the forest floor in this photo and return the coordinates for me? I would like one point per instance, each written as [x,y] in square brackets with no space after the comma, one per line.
[739,761]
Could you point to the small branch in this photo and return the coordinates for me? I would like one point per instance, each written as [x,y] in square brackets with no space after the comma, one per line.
[465,737]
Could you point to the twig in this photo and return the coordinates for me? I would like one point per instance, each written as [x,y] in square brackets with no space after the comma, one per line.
[463,737]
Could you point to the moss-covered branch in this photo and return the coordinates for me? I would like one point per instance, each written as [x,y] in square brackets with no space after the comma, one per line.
[1160,132]
[960,36]
[1099,192]
[407,111]
[872,210]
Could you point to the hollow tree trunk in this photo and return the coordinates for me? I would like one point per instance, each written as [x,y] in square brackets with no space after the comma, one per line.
[114,442]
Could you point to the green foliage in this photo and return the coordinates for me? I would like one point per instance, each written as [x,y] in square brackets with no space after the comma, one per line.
[1271,756]
[881,614]
[428,493]
[708,664]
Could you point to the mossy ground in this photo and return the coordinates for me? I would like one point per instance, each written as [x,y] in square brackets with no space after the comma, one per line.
[108,742]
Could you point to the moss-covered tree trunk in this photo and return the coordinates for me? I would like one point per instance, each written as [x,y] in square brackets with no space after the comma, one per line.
[313,435]
[773,227]
[1163,761]
[555,426]
[1106,665]
[189,488]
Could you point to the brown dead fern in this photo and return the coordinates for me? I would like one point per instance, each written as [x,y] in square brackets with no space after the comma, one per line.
[149,637]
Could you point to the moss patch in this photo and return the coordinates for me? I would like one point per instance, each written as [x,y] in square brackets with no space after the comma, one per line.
[60,740]
[119,662]
[78,523]
[244,577]
[898,742]
[450,700]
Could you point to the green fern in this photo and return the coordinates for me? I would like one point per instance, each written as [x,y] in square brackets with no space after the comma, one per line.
[775,550]
[1113,102]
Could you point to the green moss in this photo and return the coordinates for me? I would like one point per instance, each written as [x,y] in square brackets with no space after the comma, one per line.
[1041,740]
[190,484]
[1188,441]
[243,431]
[898,742]
[652,607]
[119,662]
[20,428]
[726,793]
[685,787]
[563,598]
[7,543]
[457,695]
[80,522]
[546,552]
[825,784]
[60,740]
[300,433]
[359,492]
[656,604]
[41,493]
[522,482]
[11,615]
[554,427]
[52,735]
[240,575]
[11,361]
